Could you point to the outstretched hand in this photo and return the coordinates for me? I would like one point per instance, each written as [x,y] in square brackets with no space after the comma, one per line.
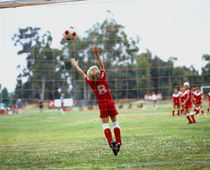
[73,61]
[95,50]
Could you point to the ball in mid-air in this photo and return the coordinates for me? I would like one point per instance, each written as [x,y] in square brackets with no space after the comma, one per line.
[69,34]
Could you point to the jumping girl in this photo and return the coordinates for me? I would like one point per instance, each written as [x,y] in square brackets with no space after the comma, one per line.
[97,81]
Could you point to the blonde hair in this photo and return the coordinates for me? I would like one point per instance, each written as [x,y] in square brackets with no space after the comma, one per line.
[93,73]
[187,84]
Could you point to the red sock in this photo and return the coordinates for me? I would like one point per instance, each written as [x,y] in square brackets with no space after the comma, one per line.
[108,135]
[188,117]
[178,112]
[182,110]
[193,118]
[173,112]
[117,135]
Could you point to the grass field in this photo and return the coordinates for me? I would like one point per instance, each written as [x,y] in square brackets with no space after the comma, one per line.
[152,139]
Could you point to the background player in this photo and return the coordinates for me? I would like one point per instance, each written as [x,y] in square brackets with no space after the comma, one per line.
[19,106]
[181,95]
[41,105]
[154,98]
[176,102]
[188,99]
[198,99]
[97,80]
[62,103]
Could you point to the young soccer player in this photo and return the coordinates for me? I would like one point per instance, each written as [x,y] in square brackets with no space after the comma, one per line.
[198,95]
[188,99]
[176,102]
[97,80]
[181,95]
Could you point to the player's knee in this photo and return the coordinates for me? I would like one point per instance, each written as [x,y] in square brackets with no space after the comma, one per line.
[114,118]
[105,119]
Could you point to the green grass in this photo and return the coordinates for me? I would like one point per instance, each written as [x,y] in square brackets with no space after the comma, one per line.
[152,139]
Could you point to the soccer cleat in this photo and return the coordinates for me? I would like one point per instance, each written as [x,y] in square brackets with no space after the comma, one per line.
[118,147]
[114,148]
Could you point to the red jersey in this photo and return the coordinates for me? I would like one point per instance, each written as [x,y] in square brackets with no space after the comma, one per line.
[176,99]
[188,94]
[198,97]
[193,93]
[103,95]
[181,95]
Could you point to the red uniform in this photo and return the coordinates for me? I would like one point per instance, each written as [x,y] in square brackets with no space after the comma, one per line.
[188,103]
[209,97]
[181,95]
[176,99]
[198,98]
[103,95]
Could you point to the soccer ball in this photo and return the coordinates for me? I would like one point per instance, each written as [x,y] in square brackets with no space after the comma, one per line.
[69,34]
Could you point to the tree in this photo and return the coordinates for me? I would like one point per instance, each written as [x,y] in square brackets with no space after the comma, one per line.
[143,73]
[5,96]
[42,76]
[206,70]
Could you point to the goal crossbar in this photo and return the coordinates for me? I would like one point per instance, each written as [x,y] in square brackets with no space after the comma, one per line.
[22,3]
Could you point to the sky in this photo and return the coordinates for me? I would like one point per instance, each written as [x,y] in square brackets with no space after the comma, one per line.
[168,28]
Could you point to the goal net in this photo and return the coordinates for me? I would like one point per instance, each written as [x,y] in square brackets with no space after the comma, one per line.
[131,73]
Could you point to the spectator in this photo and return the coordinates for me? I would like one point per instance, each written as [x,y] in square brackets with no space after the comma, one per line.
[19,106]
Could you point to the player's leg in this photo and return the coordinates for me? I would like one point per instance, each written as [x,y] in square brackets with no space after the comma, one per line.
[173,110]
[191,115]
[198,108]
[116,127]
[107,131]
[113,115]
[117,133]
[188,115]
[202,110]
[178,110]
[182,108]
[108,134]
[62,108]
[195,109]
[154,104]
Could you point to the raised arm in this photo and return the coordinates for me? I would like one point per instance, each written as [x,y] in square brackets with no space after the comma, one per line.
[74,62]
[95,50]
